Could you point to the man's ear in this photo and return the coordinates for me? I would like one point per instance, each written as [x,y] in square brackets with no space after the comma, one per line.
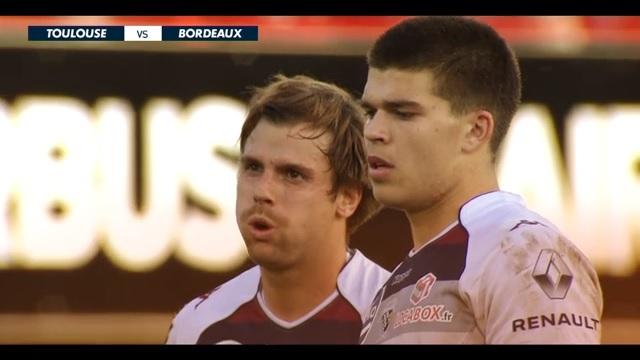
[347,200]
[479,127]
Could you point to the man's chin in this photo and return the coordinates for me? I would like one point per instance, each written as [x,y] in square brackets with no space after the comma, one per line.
[267,259]
[389,196]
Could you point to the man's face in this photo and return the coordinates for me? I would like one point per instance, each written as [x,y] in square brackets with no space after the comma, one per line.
[413,140]
[284,206]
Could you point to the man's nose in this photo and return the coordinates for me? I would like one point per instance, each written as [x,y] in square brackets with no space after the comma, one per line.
[263,189]
[375,130]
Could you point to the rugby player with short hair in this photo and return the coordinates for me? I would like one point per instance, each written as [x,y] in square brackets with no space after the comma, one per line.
[440,95]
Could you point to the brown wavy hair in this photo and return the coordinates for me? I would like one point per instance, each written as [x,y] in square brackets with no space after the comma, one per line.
[326,108]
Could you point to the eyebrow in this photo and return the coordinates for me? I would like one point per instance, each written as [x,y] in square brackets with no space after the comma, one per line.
[244,159]
[307,171]
[393,104]
[280,166]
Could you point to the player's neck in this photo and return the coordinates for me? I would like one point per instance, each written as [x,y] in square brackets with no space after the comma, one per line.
[429,222]
[293,293]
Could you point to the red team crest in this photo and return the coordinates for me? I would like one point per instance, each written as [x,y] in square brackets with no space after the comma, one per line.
[423,288]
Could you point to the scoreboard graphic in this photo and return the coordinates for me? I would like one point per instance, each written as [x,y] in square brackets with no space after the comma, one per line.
[143,33]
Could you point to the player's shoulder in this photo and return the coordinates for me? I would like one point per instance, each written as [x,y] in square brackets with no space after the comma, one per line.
[227,297]
[503,228]
[360,280]
[494,212]
[216,305]
[496,217]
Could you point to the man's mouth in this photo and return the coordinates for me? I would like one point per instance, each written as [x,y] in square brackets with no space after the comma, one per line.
[376,162]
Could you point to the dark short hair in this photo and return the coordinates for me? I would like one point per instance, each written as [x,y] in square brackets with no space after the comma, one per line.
[473,66]
[328,109]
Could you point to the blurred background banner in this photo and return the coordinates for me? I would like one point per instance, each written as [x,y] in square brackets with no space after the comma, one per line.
[118,161]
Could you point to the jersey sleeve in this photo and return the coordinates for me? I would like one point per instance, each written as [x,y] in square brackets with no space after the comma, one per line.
[537,287]
[174,332]
[171,335]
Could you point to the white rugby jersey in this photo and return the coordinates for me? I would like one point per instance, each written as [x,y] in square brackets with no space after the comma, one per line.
[234,313]
[501,274]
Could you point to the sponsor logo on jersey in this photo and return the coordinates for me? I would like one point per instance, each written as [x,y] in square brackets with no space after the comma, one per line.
[372,312]
[386,319]
[561,319]
[552,274]
[374,306]
[427,313]
[422,288]
[398,278]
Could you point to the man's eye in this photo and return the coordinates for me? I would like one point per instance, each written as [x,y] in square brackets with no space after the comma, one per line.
[252,167]
[294,174]
[370,113]
[403,115]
